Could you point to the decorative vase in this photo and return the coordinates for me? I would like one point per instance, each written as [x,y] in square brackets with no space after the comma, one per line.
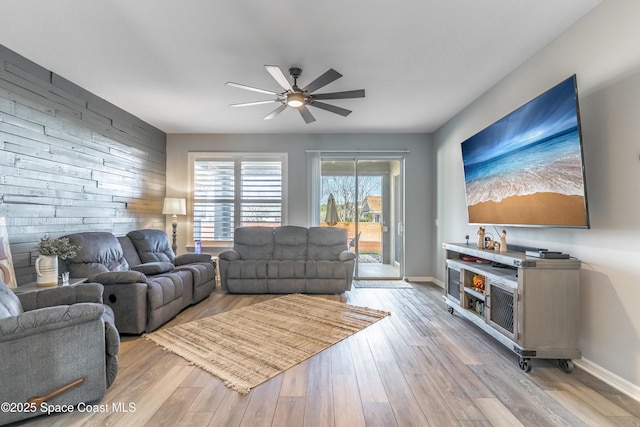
[47,270]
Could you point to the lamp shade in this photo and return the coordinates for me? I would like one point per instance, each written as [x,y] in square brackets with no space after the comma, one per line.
[174,206]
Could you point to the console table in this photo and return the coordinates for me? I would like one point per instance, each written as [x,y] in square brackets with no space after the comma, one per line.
[531,305]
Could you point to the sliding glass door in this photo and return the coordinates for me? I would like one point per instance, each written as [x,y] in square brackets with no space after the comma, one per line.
[365,196]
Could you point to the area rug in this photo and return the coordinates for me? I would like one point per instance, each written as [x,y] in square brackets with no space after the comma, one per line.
[390,284]
[247,346]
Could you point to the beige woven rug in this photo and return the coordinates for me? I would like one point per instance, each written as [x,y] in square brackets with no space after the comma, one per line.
[247,346]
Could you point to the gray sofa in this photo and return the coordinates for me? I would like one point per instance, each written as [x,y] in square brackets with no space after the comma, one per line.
[146,284]
[50,338]
[287,259]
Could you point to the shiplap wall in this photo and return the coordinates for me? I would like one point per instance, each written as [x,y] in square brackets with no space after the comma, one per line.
[71,162]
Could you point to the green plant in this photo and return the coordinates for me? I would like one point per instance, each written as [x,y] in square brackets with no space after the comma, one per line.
[61,247]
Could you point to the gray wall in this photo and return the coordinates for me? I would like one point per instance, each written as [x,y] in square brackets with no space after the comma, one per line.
[603,50]
[71,162]
[419,179]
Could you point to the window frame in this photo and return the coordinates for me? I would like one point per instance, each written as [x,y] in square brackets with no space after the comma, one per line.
[236,157]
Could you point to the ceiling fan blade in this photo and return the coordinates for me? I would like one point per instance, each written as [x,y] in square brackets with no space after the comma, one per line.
[323,80]
[340,95]
[275,112]
[338,110]
[251,88]
[306,115]
[277,74]
[248,104]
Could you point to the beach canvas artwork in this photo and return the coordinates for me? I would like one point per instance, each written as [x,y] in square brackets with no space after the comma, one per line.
[527,168]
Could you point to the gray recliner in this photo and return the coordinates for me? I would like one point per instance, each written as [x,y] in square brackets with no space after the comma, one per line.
[146,285]
[153,246]
[52,338]
[140,303]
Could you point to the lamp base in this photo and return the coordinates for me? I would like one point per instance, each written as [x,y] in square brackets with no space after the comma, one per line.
[174,224]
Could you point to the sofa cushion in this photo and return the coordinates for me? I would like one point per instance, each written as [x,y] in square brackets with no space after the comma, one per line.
[326,270]
[129,251]
[290,243]
[99,252]
[248,269]
[254,242]
[163,290]
[286,269]
[9,303]
[164,296]
[326,243]
[152,245]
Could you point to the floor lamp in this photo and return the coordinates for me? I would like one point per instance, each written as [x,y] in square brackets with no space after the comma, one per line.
[174,207]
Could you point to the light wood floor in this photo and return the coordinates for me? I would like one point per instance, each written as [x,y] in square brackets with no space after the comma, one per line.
[421,366]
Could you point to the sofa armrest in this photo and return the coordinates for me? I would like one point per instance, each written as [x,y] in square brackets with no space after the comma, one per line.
[48,318]
[119,277]
[346,256]
[229,255]
[62,295]
[192,258]
[153,268]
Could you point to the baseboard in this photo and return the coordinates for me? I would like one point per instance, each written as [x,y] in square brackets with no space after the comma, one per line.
[620,384]
[425,279]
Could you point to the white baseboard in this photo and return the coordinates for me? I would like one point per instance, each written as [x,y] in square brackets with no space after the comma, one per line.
[620,384]
[438,282]
[425,279]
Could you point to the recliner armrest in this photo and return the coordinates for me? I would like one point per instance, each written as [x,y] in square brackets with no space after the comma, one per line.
[192,258]
[119,277]
[229,255]
[62,295]
[48,318]
[152,268]
[346,256]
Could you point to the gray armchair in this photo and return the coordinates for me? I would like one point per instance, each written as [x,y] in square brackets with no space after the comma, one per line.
[52,338]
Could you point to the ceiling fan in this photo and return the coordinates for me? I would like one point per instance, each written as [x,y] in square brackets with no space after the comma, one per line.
[298,98]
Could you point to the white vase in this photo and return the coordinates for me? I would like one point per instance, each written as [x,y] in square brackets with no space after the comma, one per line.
[47,270]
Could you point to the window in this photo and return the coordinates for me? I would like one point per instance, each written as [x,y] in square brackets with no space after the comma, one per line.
[236,190]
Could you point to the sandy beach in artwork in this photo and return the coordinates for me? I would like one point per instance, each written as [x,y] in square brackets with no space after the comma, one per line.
[538,208]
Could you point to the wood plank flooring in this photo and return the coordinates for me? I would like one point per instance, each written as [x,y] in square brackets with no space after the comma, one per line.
[421,366]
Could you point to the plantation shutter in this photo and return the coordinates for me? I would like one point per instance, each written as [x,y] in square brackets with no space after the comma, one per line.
[234,192]
[261,199]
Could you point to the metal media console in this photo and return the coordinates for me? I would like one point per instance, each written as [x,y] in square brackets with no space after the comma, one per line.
[531,305]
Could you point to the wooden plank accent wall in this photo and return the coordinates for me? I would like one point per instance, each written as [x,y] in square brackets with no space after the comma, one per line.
[71,162]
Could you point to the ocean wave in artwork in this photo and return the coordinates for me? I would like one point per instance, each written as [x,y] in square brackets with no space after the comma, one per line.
[550,166]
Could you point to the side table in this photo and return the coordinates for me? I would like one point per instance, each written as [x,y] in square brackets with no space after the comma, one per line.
[33,286]
[216,270]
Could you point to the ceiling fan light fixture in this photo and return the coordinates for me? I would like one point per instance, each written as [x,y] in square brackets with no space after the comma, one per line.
[300,99]
[295,99]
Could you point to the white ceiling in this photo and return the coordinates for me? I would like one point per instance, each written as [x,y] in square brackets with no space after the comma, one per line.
[167,61]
